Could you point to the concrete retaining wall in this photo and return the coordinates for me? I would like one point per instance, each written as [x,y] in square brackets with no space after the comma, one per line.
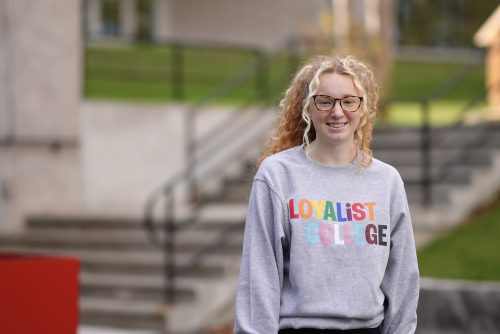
[458,307]
[129,149]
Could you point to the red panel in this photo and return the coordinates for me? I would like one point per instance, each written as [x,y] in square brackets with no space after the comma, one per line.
[38,294]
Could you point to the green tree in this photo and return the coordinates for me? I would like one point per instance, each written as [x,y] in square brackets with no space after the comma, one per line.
[441,22]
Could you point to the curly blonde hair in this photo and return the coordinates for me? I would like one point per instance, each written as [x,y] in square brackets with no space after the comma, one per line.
[294,123]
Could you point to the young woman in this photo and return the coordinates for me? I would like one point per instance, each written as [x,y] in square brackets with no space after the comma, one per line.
[328,241]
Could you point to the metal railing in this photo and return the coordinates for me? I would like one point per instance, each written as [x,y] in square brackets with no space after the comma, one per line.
[429,140]
[425,144]
[198,152]
[475,142]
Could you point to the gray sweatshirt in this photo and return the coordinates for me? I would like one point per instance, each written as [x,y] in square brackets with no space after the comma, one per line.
[327,247]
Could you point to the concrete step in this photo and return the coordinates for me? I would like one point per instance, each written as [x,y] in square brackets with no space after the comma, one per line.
[395,138]
[115,313]
[239,192]
[462,138]
[114,310]
[66,238]
[124,257]
[129,261]
[457,175]
[444,137]
[409,174]
[237,189]
[217,214]
[202,270]
[83,222]
[211,216]
[439,194]
[133,287]
[140,287]
[413,157]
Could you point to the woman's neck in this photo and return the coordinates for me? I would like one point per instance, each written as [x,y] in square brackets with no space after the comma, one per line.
[330,155]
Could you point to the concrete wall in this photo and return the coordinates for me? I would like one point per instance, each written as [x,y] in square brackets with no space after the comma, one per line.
[46,67]
[458,307]
[40,81]
[256,23]
[129,149]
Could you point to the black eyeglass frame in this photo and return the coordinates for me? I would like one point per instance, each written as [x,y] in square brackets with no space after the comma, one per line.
[335,101]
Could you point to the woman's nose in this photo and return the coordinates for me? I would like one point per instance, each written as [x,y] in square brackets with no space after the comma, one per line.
[337,110]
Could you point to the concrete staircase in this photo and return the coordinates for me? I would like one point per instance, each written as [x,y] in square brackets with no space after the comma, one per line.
[465,163]
[122,281]
[122,276]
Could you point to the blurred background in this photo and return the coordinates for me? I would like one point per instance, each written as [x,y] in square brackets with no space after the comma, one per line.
[129,129]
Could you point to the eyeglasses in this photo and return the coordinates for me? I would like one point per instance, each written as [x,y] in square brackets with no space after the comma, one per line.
[327,103]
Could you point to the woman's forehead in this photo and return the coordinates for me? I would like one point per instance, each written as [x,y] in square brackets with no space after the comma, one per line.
[340,84]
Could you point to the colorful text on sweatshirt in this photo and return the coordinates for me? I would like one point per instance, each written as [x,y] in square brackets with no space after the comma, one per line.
[338,223]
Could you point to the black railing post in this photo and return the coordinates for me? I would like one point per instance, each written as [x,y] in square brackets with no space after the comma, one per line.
[170,249]
[177,71]
[292,57]
[190,129]
[262,76]
[426,150]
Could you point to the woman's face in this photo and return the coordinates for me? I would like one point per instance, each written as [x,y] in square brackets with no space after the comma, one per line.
[336,127]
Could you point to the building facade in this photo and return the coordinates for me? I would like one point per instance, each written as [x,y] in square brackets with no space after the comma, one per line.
[257,23]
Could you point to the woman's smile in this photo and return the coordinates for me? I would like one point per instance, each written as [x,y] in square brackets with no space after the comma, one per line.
[337,125]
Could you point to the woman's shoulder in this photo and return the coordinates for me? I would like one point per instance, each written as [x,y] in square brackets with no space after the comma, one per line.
[277,162]
[381,167]
[285,155]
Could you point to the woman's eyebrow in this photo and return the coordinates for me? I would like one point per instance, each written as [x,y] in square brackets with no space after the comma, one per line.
[341,96]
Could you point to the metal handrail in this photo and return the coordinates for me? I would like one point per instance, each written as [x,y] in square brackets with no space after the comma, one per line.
[473,143]
[171,226]
[167,189]
[425,143]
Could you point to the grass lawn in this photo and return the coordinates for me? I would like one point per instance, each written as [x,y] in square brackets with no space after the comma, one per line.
[145,73]
[471,251]
[414,79]
[444,111]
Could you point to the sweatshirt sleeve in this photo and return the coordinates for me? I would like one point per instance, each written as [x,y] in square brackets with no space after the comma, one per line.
[401,281]
[261,273]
